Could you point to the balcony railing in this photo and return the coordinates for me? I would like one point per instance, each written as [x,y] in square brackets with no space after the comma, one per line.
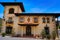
[9,21]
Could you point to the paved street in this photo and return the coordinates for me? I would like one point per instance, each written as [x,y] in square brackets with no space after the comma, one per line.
[18,38]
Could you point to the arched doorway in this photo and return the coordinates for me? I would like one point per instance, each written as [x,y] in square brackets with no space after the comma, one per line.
[46,30]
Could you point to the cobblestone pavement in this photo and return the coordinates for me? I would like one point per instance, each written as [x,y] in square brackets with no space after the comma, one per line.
[18,38]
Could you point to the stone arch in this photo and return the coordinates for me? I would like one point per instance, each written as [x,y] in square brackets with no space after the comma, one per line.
[11,10]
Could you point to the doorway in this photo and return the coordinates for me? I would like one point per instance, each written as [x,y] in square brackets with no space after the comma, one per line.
[47,30]
[28,31]
[8,30]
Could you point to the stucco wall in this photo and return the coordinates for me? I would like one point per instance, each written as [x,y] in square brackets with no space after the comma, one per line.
[36,30]
[17,9]
[18,29]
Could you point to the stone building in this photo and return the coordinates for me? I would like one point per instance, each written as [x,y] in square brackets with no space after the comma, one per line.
[26,24]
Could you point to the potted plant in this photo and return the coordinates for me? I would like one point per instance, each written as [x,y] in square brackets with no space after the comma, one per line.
[43,34]
[58,27]
[48,36]
[54,35]
[3,34]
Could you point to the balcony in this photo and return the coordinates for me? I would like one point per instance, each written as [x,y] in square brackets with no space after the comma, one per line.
[28,24]
[9,21]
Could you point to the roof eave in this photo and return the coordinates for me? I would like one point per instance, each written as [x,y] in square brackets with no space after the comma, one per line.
[38,14]
[13,3]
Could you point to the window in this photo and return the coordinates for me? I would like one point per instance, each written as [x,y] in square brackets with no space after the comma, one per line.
[11,10]
[53,19]
[48,20]
[10,19]
[43,20]
[8,30]
[46,30]
[21,20]
[35,20]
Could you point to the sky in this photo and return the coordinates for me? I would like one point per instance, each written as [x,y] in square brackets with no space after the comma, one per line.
[36,6]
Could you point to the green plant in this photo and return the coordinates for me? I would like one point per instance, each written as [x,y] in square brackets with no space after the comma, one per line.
[54,35]
[43,34]
[59,27]
[48,36]
[3,34]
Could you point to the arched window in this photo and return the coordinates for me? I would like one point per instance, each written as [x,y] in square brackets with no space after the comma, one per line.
[48,20]
[46,30]
[43,20]
[11,10]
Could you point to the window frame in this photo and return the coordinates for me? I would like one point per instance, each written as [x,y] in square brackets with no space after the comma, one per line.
[35,20]
[48,20]
[53,18]
[44,20]
[10,18]
[11,10]
[47,30]
[9,30]
[21,19]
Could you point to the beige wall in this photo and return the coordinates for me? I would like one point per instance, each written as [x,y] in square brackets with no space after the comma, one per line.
[6,11]
[22,29]
[17,9]
[37,29]
[34,29]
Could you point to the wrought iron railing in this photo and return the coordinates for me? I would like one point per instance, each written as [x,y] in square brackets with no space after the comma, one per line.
[9,21]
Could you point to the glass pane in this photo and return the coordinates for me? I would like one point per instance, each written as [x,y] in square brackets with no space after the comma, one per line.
[43,20]
[21,19]
[11,10]
[48,20]
[35,20]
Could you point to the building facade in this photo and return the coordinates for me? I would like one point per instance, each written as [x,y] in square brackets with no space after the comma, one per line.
[25,24]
